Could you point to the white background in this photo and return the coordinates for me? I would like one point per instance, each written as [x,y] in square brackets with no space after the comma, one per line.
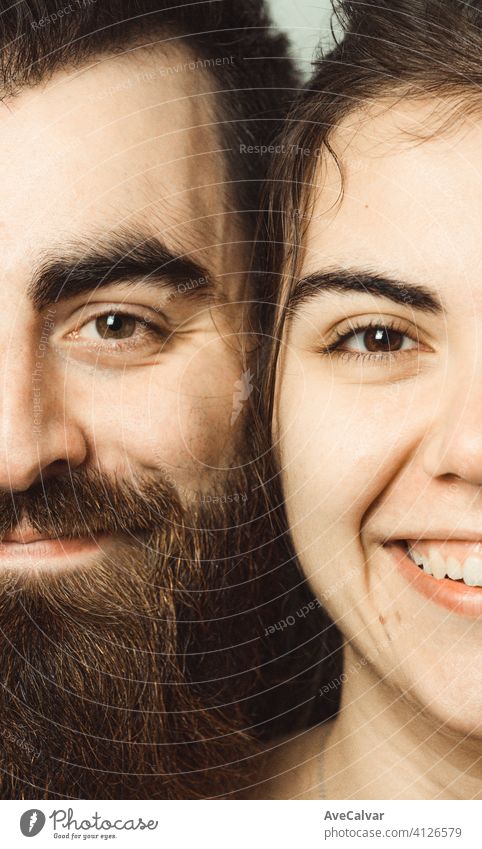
[305,21]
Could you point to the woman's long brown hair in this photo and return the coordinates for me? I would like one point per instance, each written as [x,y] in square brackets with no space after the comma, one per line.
[383,51]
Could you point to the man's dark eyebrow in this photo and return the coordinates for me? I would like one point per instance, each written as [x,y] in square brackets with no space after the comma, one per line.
[342,280]
[121,259]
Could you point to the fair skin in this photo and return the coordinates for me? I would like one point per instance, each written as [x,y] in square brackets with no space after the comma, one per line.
[103,161]
[379,444]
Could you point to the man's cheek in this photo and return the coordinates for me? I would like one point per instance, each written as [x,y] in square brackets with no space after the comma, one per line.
[185,442]
[179,409]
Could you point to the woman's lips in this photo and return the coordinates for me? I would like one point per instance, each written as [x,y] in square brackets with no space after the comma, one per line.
[452,594]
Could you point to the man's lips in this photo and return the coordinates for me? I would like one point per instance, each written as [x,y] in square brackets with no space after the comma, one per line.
[28,544]
[26,536]
[460,558]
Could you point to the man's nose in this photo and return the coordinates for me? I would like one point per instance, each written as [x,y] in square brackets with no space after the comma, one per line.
[454,445]
[39,438]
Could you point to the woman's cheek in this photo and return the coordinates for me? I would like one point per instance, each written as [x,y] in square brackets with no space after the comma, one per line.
[339,453]
[336,454]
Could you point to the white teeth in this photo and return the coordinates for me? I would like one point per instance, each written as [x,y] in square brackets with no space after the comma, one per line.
[473,572]
[416,556]
[454,569]
[437,562]
[420,560]
[427,567]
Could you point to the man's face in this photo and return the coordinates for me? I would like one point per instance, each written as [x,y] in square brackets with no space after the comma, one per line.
[120,276]
[379,404]
[112,353]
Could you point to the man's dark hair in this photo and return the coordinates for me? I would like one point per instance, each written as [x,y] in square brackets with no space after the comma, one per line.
[247,57]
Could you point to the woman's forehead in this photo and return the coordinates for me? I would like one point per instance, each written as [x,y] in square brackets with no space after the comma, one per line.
[415,204]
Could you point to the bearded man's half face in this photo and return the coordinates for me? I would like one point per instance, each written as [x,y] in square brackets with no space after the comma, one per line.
[122,277]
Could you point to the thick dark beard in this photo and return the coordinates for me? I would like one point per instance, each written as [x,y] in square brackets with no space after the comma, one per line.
[131,678]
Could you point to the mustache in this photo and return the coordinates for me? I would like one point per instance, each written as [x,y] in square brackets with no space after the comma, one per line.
[87,502]
[129,678]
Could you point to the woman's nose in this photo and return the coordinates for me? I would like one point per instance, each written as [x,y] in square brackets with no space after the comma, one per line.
[454,445]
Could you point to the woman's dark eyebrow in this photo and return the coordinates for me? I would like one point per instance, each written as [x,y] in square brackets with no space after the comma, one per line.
[121,259]
[342,280]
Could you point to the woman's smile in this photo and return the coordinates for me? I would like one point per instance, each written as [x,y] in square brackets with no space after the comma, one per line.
[454,559]
[448,572]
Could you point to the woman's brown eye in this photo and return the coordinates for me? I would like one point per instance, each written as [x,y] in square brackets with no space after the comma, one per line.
[115,326]
[383,339]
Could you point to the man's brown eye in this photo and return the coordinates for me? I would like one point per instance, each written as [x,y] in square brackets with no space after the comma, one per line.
[383,339]
[115,326]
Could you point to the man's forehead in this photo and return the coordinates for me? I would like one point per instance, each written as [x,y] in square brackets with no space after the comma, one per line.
[163,73]
[130,136]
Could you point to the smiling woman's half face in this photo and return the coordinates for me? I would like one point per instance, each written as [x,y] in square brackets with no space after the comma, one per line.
[378,423]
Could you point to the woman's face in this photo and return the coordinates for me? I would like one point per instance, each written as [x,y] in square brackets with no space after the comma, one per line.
[378,423]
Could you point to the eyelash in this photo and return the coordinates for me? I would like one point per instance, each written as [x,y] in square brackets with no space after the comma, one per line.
[356,327]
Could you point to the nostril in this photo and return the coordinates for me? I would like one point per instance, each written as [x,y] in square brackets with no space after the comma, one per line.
[58,468]
[451,477]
